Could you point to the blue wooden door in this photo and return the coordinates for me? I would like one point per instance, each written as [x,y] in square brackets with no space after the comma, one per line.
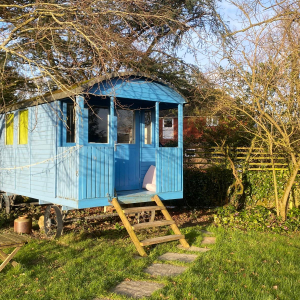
[127,150]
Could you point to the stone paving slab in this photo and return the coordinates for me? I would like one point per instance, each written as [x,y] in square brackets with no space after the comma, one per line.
[137,289]
[207,240]
[164,270]
[194,248]
[207,232]
[179,257]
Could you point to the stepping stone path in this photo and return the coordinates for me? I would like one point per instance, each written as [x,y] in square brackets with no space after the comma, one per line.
[207,232]
[178,256]
[139,289]
[208,240]
[164,270]
[194,249]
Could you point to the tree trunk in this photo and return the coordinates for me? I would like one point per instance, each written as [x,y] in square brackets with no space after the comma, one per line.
[274,178]
[285,198]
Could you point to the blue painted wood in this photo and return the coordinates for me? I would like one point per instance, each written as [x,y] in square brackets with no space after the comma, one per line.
[84,178]
[33,171]
[67,172]
[157,153]
[43,151]
[180,146]
[137,88]
[111,140]
[139,196]
[168,164]
[22,177]
[127,162]
[79,138]
[147,159]
[97,168]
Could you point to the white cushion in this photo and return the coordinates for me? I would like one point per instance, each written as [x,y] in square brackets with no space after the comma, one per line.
[150,178]
[151,187]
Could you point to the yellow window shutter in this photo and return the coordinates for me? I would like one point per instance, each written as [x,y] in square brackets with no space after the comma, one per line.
[23,127]
[9,129]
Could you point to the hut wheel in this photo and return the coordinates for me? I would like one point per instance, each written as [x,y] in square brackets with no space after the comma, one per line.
[7,204]
[53,221]
[8,201]
[1,201]
[145,216]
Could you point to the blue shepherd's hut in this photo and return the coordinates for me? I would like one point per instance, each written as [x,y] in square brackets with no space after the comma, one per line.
[93,145]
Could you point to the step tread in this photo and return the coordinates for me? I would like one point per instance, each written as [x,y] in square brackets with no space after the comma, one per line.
[162,239]
[152,224]
[142,208]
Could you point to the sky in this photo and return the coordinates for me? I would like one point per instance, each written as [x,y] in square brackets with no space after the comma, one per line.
[206,54]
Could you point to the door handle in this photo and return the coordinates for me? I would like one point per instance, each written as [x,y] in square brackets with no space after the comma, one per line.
[115,146]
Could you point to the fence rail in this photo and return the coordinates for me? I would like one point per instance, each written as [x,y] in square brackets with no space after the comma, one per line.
[259,159]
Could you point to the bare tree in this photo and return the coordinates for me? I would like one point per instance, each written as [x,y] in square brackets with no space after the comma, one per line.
[56,44]
[262,77]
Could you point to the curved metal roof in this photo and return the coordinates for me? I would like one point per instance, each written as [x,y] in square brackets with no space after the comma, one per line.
[130,85]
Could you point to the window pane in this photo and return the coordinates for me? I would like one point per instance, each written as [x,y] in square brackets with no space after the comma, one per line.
[10,129]
[23,127]
[168,123]
[148,128]
[125,127]
[70,123]
[98,124]
[168,127]
[212,121]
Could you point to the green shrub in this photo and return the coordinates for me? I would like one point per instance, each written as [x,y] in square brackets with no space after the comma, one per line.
[259,187]
[258,218]
[7,220]
[206,188]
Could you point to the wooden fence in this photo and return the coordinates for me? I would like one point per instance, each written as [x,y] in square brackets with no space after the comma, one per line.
[259,159]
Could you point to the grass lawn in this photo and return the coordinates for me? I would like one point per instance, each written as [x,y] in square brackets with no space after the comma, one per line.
[241,265]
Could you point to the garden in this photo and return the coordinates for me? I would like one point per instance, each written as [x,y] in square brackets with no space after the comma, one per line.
[236,65]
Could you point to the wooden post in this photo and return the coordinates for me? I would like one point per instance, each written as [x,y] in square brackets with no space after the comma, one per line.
[158,153]
[180,145]
[112,129]
[80,122]
[180,126]
[156,125]
[174,227]
[79,139]
[112,139]
[127,225]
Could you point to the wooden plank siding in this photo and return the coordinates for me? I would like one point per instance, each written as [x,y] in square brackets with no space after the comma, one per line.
[96,171]
[147,159]
[33,165]
[42,146]
[67,172]
[170,166]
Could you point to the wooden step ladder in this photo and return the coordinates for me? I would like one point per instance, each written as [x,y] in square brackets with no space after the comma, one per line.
[132,228]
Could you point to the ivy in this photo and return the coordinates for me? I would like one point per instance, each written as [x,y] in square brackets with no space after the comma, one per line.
[259,187]
[257,218]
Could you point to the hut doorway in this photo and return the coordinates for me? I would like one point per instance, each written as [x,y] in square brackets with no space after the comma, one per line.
[127,150]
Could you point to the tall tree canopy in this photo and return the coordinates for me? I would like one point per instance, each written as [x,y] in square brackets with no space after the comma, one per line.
[59,43]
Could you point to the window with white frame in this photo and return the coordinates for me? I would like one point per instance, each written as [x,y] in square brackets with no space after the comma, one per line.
[212,121]
[168,128]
